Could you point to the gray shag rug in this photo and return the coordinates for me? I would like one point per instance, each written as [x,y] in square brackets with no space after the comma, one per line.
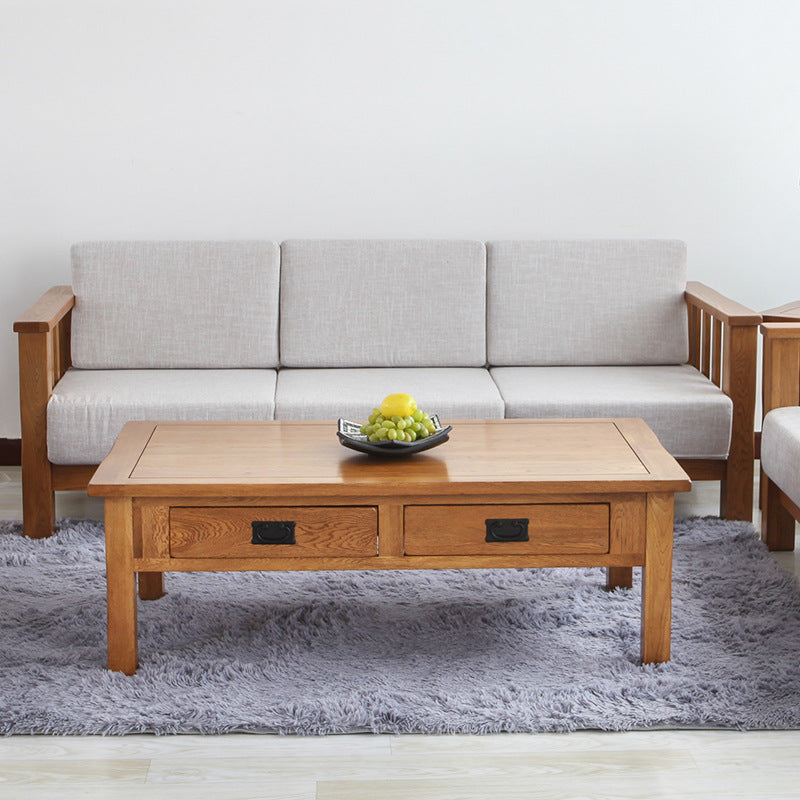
[471,651]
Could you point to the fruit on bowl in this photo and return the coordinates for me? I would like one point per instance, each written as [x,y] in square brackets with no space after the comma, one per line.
[398,420]
[397,404]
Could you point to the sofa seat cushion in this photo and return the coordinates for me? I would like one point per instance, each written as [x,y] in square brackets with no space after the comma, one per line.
[689,414]
[452,393]
[780,450]
[88,408]
[382,303]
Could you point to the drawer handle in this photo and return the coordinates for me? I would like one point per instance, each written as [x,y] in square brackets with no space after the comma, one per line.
[507,530]
[273,532]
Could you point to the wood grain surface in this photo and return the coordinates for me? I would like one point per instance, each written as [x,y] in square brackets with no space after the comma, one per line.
[185,496]
[461,530]
[298,459]
[319,531]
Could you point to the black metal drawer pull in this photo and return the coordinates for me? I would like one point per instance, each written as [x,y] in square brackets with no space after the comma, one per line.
[507,530]
[273,532]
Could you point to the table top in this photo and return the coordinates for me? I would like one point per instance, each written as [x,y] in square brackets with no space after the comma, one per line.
[295,459]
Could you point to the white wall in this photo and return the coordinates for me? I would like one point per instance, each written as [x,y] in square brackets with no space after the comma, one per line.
[199,119]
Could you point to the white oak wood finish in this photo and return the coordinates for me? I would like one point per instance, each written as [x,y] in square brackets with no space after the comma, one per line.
[657,579]
[44,356]
[305,459]
[723,346]
[591,493]
[325,531]
[788,312]
[461,530]
[121,583]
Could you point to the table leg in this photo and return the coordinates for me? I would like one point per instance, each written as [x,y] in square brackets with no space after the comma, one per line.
[619,578]
[151,585]
[121,586]
[657,578]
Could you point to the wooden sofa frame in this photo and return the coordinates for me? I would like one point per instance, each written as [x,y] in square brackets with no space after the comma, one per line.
[780,388]
[722,336]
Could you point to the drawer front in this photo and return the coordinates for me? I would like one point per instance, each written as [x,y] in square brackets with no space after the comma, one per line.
[550,529]
[228,532]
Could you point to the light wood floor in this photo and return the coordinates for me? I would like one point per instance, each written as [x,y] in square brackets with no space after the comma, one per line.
[654,764]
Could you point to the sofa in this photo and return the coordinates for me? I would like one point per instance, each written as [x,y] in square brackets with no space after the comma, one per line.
[780,431]
[321,329]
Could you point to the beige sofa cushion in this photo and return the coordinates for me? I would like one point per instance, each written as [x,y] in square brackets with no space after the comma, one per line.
[452,393]
[146,305]
[376,303]
[583,302]
[687,412]
[780,450]
[89,407]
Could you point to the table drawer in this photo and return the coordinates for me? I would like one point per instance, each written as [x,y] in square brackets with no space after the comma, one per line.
[230,532]
[464,530]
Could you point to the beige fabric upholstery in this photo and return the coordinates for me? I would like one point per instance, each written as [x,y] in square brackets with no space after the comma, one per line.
[376,303]
[89,407]
[780,450]
[688,413]
[143,305]
[362,318]
[454,393]
[584,302]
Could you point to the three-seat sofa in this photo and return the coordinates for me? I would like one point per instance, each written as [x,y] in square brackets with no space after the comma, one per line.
[321,329]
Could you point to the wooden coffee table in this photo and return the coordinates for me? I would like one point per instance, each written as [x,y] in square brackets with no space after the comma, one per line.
[216,496]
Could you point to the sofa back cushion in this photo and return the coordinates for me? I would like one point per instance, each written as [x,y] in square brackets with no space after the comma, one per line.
[148,305]
[383,303]
[585,302]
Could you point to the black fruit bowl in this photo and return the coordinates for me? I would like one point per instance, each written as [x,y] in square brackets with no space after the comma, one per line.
[350,435]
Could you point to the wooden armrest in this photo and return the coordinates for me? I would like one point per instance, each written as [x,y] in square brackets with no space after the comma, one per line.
[781,330]
[788,312]
[728,311]
[47,311]
[780,365]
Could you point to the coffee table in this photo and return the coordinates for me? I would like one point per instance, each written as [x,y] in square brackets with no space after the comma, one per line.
[227,496]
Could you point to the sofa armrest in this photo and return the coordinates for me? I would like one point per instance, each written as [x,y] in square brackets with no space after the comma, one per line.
[781,330]
[44,356]
[788,312]
[780,365]
[47,312]
[723,345]
[44,341]
[729,312]
[723,336]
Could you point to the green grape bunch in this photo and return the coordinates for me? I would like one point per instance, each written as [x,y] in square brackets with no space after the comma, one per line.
[417,425]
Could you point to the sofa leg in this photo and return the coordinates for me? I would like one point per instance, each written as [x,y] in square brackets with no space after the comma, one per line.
[736,493]
[151,585]
[777,524]
[38,502]
[35,384]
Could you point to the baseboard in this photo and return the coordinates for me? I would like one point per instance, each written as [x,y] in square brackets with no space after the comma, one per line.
[10,452]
